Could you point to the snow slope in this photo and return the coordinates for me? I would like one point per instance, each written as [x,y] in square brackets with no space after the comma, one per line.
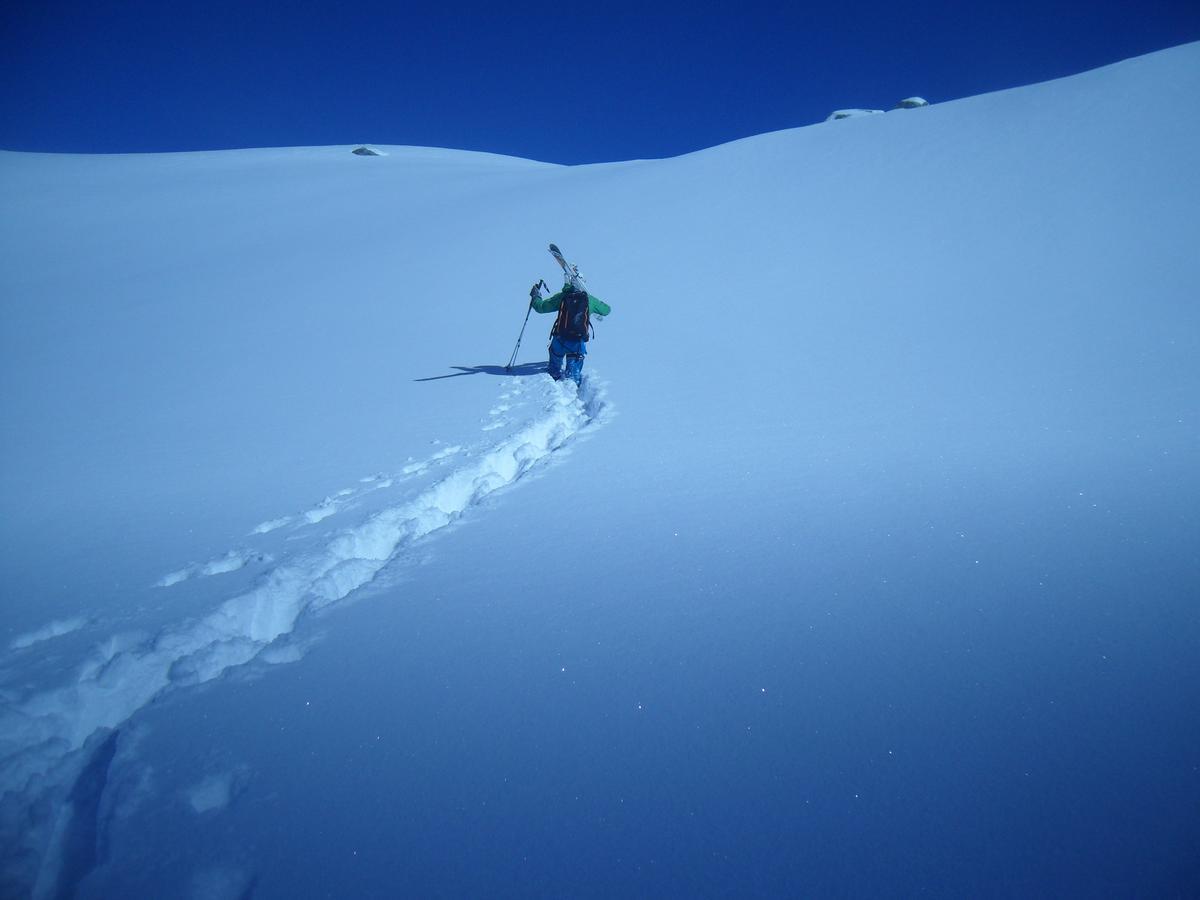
[877,568]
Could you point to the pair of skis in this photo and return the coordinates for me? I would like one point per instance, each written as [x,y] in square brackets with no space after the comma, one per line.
[570,270]
[571,273]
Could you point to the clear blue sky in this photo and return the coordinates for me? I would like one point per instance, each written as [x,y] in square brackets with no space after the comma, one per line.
[564,83]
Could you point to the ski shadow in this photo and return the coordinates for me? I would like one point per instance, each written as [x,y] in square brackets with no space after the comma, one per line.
[521,369]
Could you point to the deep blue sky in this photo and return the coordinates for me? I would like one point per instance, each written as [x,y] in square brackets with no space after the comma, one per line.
[611,81]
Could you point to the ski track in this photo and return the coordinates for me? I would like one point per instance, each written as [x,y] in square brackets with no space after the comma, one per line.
[127,671]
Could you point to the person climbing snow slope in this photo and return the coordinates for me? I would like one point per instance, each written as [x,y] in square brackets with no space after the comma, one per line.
[572,327]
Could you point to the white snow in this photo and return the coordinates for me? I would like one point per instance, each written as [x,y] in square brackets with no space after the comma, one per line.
[195,342]
[54,629]
[229,562]
[271,525]
[216,791]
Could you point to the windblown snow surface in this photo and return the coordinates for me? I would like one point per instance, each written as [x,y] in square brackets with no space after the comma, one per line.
[864,563]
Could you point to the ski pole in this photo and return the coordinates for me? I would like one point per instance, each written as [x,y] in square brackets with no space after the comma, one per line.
[513,359]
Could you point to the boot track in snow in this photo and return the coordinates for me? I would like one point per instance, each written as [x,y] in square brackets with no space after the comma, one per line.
[43,735]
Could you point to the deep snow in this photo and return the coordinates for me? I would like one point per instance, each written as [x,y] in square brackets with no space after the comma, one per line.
[877,573]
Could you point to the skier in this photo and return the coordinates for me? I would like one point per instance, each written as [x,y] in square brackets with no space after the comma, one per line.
[569,336]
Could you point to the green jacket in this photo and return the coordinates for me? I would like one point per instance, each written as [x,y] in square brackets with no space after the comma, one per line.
[596,306]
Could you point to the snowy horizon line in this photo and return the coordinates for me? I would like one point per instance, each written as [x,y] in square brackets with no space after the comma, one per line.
[391,147]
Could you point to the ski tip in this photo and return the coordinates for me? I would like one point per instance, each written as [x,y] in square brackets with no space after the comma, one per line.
[554,248]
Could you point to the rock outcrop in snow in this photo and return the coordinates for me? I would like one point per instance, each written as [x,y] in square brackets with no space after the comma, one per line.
[851,114]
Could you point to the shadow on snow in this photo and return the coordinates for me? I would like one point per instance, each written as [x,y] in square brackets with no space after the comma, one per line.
[521,369]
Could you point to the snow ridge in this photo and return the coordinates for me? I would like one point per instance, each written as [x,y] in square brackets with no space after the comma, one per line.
[39,733]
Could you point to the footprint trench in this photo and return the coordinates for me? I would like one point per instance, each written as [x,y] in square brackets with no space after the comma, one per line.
[105,692]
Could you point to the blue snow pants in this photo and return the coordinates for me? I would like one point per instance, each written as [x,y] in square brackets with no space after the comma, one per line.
[573,351]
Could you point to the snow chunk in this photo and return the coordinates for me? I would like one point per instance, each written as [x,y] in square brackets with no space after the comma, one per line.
[911,103]
[173,578]
[57,628]
[270,525]
[321,511]
[216,791]
[230,562]
[367,151]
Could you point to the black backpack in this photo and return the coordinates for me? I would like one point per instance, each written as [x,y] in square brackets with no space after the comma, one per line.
[574,318]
